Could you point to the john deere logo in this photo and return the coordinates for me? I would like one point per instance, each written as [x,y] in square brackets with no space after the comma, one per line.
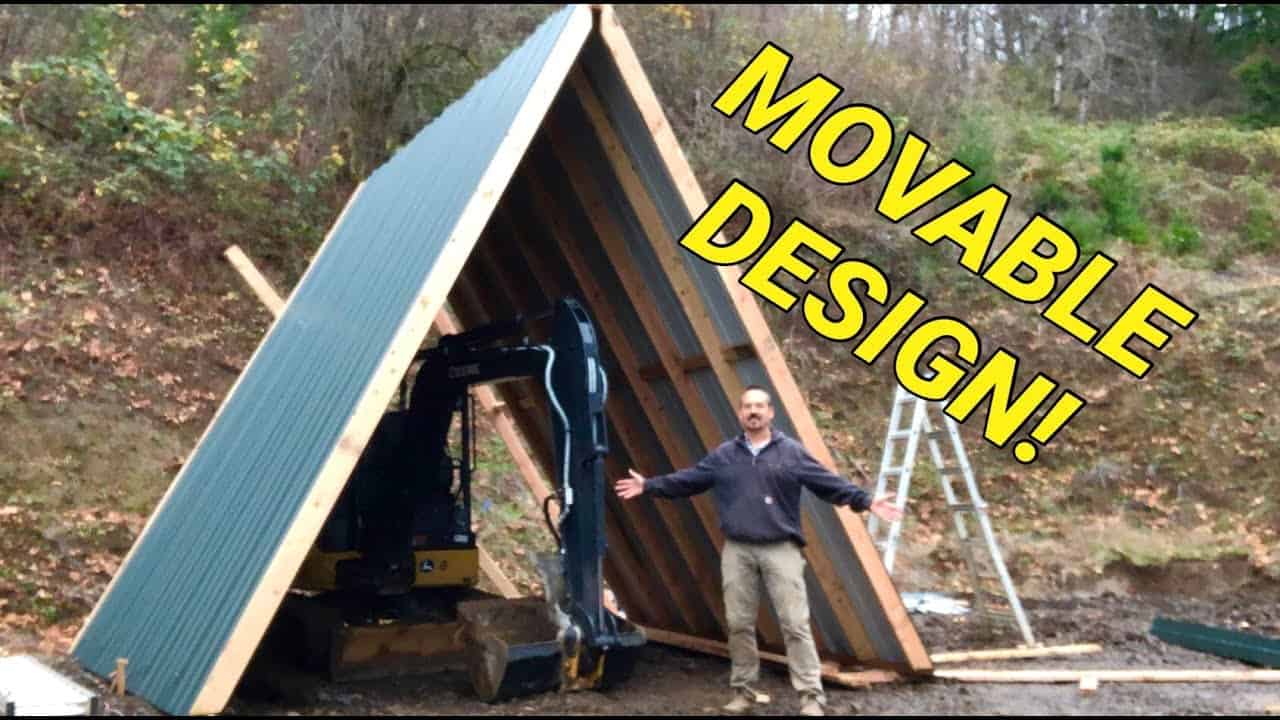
[458,371]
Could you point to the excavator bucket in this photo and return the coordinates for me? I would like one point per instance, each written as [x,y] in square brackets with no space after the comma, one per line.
[517,647]
[512,647]
[621,659]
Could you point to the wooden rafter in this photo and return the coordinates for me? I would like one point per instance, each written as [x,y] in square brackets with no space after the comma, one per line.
[769,354]
[274,304]
[540,440]
[623,424]
[611,239]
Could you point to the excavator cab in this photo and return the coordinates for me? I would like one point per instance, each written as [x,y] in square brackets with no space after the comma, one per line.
[401,533]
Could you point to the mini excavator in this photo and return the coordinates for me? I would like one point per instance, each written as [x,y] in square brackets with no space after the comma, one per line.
[394,571]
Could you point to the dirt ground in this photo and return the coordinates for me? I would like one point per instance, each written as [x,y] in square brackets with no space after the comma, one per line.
[670,681]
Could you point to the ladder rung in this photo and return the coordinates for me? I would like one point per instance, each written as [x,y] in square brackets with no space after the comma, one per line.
[997,614]
[992,599]
[906,434]
[997,591]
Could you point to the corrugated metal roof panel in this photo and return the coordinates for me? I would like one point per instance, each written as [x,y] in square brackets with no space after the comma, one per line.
[231,515]
[173,606]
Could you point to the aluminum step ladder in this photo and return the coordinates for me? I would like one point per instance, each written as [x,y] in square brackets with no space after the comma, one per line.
[994,595]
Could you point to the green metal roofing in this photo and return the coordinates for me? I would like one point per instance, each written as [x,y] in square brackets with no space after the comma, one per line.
[1250,647]
[176,601]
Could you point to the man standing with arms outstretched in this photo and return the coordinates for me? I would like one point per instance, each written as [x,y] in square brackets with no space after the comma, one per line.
[757,478]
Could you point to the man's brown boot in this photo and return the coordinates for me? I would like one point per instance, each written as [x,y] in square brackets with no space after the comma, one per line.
[811,706]
[744,699]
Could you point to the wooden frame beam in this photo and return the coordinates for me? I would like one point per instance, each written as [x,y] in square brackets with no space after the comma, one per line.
[275,305]
[613,242]
[694,363]
[638,598]
[770,356]
[658,237]
[536,265]
[500,414]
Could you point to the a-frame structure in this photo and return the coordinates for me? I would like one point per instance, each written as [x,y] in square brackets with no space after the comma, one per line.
[556,174]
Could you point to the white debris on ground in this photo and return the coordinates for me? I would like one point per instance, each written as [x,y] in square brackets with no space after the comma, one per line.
[36,689]
[932,603]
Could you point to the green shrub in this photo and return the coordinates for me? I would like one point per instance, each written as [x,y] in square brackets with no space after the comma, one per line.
[1258,233]
[976,149]
[1259,229]
[1259,75]
[1050,196]
[1119,189]
[930,270]
[1225,257]
[1087,228]
[1181,237]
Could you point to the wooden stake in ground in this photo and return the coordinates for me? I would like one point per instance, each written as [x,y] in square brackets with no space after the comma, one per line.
[117,678]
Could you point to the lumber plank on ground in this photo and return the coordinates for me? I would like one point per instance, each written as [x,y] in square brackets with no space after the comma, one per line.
[1014,653]
[830,671]
[1127,676]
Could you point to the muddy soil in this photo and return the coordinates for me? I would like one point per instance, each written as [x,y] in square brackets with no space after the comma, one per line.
[669,681]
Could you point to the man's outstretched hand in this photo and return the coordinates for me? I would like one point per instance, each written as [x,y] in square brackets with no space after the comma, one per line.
[885,509]
[630,487]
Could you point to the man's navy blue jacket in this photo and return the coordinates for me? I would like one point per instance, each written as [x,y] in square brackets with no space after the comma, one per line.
[758,497]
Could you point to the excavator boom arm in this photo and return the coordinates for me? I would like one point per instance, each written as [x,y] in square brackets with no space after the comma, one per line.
[568,366]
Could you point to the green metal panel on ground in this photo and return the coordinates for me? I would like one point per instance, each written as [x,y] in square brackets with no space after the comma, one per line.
[1249,647]
[183,592]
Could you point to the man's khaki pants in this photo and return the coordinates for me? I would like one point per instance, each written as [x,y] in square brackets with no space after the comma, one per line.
[781,565]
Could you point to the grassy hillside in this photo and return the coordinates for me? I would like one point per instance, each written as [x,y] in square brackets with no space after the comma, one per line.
[1179,465]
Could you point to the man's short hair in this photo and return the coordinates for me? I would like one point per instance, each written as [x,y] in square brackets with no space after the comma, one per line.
[761,388]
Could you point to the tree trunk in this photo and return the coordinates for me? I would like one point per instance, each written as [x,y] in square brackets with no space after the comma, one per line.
[1057,80]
